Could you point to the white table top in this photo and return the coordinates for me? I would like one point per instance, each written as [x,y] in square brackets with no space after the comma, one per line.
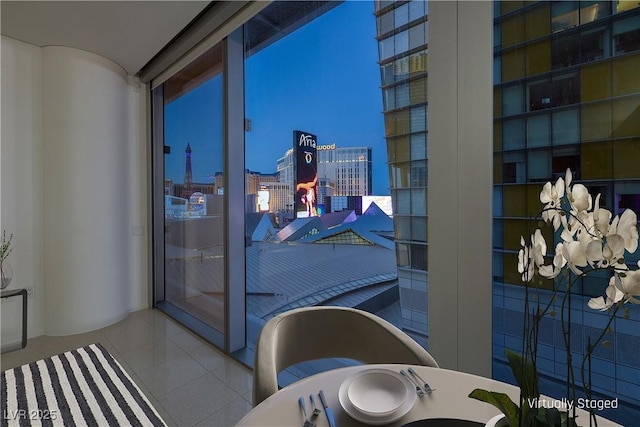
[449,400]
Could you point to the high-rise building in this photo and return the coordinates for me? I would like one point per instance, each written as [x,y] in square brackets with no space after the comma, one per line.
[342,171]
[255,180]
[566,95]
[348,169]
[402,42]
[286,172]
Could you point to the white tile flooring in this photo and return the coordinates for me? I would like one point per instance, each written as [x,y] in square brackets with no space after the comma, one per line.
[187,380]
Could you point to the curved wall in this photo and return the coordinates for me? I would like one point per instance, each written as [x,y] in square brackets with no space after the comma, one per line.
[84,131]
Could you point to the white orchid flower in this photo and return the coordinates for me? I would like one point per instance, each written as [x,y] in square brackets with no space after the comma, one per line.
[613,296]
[538,247]
[569,228]
[578,226]
[626,226]
[584,225]
[575,254]
[629,285]
[551,196]
[601,218]
[579,198]
[552,270]
[568,177]
[606,255]
[525,262]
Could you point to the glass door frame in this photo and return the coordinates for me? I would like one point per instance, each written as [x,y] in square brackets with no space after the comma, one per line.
[234,336]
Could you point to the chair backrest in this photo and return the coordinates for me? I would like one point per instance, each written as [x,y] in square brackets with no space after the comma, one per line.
[322,332]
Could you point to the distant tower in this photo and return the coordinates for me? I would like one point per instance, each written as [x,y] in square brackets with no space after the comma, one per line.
[188,177]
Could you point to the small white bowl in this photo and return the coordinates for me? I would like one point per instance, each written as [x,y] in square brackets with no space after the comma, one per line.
[377,393]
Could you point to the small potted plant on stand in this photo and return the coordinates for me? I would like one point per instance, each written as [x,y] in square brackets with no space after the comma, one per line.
[591,242]
[6,273]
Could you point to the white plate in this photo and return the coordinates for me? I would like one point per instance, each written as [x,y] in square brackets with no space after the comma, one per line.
[377,393]
[382,382]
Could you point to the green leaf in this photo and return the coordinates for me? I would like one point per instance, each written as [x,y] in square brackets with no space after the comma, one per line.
[524,373]
[549,417]
[501,401]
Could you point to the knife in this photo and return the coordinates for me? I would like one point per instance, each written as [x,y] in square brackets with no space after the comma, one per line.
[327,410]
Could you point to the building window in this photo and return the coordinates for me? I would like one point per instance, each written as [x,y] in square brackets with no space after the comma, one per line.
[418,35]
[419,146]
[565,90]
[419,201]
[402,255]
[402,202]
[419,229]
[563,159]
[419,173]
[512,99]
[539,93]
[539,130]
[419,118]
[564,14]
[419,257]
[565,50]
[417,9]
[401,15]
[385,23]
[593,10]
[514,170]
[539,165]
[566,127]
[513,134]
[593,44]
[626,35]
[401,42]
[386,48]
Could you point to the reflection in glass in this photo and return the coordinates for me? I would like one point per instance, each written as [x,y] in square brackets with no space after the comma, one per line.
[194,189]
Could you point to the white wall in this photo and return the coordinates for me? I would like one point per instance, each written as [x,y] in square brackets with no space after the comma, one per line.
[73,188]
[21,192]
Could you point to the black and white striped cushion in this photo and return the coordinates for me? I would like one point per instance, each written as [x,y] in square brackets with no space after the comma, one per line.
[82,387]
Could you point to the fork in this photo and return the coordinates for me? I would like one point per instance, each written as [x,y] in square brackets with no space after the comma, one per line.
[316,411]
[427,387]
[307,422]
[419,391]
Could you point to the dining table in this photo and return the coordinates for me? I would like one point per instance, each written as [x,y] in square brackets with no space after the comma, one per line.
[448,405]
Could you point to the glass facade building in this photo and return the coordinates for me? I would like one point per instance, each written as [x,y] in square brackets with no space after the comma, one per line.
[402,42]
[342,171]
[347,170]
[566,95]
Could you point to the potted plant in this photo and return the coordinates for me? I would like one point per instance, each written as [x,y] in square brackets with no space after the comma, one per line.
[591,242]
[6,272]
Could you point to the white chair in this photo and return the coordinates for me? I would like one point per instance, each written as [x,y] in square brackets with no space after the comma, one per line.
[323,332]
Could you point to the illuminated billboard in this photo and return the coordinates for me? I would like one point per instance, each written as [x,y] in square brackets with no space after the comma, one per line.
[306,174]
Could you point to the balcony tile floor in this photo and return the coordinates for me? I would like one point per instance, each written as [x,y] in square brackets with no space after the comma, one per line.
[187,380]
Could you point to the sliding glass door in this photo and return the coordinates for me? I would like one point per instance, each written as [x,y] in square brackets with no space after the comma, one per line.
[188,118]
